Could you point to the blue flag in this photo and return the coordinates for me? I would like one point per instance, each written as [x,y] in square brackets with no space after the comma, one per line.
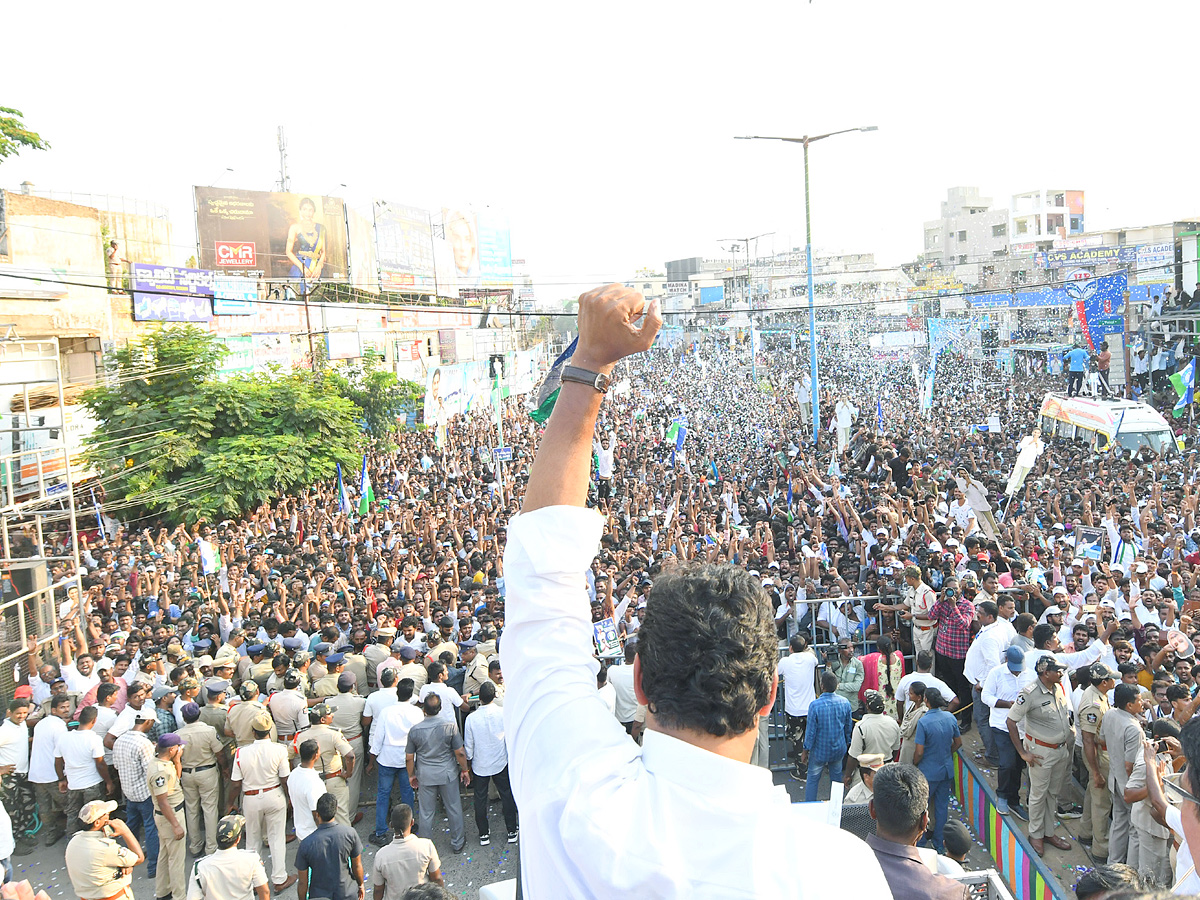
[879,411]
[716,476]
[343,498]
[680,436]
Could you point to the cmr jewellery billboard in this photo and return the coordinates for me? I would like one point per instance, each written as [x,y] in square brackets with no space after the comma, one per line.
[300,238]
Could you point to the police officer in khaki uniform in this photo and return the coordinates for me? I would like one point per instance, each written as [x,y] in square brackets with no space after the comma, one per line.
[327,686]
[263,663]
[288,707]
[260,773]
[347,709]
[167,794]
[411,667]
[336,760]
[229,873]
[354,659]
[377,652]
[214,711]
[239,723]
[1047,748]
[1097,800]
[475,665]
[203,762]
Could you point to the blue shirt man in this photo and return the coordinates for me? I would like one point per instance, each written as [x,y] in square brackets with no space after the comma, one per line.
[826,736]
[329,861]
[937,738]
[1077,360]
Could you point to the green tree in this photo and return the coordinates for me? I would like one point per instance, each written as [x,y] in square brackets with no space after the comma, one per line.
[173,441]
[378,393]
[14,136]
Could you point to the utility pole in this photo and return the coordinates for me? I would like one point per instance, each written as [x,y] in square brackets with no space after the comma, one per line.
[285,183]
[812,315]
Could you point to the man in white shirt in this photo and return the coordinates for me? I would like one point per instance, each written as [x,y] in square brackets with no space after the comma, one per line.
[845,413]
[1000,690]
[16,795]
[81,675]
[305,788]
[389,738]
[804,398]
[483,741]
[983,655]
[42,773]
[574,770]
[451,699]
[798,672]
[621,680]
[79,762]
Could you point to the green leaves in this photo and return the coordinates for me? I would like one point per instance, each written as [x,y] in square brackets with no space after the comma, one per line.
[14,136]
[176,443]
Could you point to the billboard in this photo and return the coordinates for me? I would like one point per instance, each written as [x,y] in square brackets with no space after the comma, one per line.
[171,294]
[272,350]
[342,345]
[364,268]
[1100,306]
[295,237]
[712,294]
[454,389]
[1090,256]
[239,360]
[1156,262]
[404,246]
[480,245]
[234,295]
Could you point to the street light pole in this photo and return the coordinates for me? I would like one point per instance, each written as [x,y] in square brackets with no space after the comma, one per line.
[815,391]
[812,312]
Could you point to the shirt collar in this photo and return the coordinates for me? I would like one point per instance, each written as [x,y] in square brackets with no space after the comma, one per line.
[687,765]
[891,848]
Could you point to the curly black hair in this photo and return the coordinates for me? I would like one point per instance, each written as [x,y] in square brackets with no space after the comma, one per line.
[708,650]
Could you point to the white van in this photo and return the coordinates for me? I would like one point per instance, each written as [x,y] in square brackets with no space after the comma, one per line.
[1102,422]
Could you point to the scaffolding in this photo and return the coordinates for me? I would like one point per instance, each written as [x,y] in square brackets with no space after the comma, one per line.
[39,548]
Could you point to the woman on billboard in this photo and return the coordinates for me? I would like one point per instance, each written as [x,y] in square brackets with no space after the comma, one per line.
[305,245]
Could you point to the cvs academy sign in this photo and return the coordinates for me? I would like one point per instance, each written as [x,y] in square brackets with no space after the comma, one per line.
[236,253]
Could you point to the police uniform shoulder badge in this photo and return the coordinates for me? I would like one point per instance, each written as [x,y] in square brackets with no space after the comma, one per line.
[1021,699]
[1091,718]
[160,781]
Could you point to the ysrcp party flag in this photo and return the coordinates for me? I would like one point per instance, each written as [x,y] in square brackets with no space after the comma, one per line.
[546,395]
[1184,383]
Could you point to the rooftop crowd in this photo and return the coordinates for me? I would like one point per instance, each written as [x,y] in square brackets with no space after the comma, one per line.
[264,678]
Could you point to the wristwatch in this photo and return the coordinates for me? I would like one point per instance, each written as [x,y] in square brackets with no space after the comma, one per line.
[598,380]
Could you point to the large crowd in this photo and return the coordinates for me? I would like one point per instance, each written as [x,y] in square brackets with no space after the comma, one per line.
[257,678]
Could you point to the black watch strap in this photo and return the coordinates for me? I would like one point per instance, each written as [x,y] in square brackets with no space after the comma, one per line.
[598,380]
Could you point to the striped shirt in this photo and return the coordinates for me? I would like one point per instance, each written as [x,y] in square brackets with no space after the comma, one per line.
[132,753]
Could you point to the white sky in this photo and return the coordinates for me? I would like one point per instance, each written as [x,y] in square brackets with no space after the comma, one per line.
[606,130]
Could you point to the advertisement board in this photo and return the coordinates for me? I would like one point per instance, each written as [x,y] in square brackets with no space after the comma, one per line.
[171,294]
[239,360]
[1099,306]
[1090,256]
[480,247]
[404,247]
[364,268]
[272,350]
[342,345]
[1156,262]
[276,315]
[712,294]
[447,346]
[234,295]
[443,265]
[454,389]
[285,237]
